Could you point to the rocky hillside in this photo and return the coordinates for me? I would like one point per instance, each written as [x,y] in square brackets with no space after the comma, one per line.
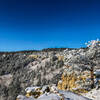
[69,69]
[80,67]
[28,68]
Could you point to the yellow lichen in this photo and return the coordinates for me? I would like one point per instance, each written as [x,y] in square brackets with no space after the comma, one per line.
[33,56]
[79,91]
[70,82]
[28,94]
[60,58]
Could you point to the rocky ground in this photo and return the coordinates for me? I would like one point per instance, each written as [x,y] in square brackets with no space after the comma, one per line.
[49,92]
[93,94]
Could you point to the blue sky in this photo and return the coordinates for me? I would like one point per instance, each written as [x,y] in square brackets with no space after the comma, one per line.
[38,24]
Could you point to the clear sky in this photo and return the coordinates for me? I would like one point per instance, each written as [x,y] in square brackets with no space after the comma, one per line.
[37,24]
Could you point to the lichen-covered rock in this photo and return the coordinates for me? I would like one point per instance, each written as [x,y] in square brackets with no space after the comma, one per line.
[52,95]
[73,80]
[68,82]
[80,64]
[33,91]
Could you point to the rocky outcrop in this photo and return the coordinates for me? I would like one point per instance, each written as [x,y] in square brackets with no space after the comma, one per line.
[74,81]
[93,94]
[6,79]
[49,92]
[81,64]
